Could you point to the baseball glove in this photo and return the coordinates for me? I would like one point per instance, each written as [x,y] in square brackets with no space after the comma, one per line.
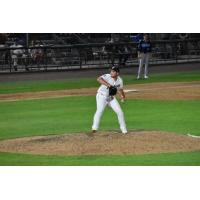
[112,90]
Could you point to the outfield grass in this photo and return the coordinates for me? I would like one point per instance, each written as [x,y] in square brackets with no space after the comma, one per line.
[46,85]
[74,114]
[169,159]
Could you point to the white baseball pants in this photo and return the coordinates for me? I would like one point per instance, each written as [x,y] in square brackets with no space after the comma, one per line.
[143,59]
[102,102]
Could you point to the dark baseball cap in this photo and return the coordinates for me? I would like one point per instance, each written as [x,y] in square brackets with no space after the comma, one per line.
[115,68]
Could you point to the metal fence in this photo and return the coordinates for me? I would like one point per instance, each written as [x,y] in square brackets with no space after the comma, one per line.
[45,58]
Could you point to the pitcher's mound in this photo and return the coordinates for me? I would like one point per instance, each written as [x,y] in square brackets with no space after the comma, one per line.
[102,143]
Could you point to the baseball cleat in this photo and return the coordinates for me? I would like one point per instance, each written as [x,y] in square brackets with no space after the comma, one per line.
[146,77]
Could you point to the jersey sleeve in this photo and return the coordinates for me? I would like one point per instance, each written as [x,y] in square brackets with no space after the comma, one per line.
[105,77]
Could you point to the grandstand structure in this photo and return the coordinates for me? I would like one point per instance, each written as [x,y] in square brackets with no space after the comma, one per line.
[62,51]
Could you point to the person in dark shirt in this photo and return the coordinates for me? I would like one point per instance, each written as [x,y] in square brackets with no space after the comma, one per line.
[144,51]
[123,54]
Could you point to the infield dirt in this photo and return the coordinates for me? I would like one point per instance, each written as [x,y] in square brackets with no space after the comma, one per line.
[103,143]
[153,91]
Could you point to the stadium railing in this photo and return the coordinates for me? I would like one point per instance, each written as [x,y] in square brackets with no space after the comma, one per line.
[95,55]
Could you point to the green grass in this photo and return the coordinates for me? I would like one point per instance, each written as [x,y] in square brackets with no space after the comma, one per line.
[75,114]
[33,86]
[46,85]
[169,159]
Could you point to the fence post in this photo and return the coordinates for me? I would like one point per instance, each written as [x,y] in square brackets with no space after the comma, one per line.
[80,59]
[45,58]
[10,60]
[176,52]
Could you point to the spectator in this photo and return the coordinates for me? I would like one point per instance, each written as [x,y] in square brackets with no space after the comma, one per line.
[37,54]
[110,51]
[16,54]
[123,52]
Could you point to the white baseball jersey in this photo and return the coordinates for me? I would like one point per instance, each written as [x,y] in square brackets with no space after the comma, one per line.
[17,51]
[107,77]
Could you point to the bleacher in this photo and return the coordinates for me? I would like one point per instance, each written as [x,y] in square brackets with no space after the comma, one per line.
[61,51]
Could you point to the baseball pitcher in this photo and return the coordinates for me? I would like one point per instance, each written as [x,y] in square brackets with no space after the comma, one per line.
[110,85]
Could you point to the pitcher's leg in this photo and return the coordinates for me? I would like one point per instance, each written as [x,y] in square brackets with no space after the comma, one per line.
[117,109]
[101,104]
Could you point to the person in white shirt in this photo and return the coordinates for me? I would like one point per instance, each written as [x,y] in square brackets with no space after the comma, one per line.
[16,54]
[103,98]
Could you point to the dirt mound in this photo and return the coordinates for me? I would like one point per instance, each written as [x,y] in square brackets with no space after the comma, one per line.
[103,143]
[160,91]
